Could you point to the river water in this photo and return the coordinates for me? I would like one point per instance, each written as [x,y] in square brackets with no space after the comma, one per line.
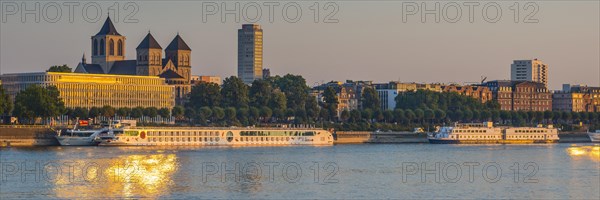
[362,171]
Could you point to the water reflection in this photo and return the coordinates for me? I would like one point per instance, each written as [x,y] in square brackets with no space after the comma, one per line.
[593,152]
[122,176]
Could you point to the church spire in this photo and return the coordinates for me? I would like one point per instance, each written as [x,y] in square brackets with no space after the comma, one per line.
[83,58]
[108,28]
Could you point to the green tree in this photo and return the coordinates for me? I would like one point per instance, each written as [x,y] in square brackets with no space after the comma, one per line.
[230,114]
[151,112]
[123,111]
[312,108]
[486,115]
[548,115]
[505,115]
[428,114]
[178,112]
[107,111]
[410,115]
[80,112]
[467,115]
[234,93]
[440,115]
[370,99]
[206,112]
[495,115]
[566,116]
[266,113]
[94,112]
[59,68]
[355,116]
[164,113]
[388,115]
[37,101]
[261,92]
[278,101]
[218,113]
[367,114]
[378,115]
[419,114]
[137,112]
[330,102]
[295,90]
[399,115]
[345,115]
[6,105]
[204,94]
[190,115]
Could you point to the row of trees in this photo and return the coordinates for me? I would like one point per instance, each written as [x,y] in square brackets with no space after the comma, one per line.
[286,100]
[6,105]
[276,99]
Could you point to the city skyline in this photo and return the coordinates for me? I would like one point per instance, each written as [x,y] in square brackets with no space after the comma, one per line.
[355,48]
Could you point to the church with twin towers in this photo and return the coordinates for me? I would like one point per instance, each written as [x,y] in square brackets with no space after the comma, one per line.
[108,57]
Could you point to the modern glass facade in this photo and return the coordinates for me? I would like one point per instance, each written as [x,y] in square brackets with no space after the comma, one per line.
[97,90]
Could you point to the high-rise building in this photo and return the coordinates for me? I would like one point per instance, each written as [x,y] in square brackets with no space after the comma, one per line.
[250,53]
[529,70]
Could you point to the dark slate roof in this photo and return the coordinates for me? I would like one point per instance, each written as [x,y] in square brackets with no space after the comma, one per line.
[108,28]
[93,68]
[170,74]
[124,67]
[178,44]
[149,43]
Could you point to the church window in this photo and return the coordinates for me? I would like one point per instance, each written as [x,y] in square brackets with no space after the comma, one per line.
[120,47]
[102,45]
[95,47]
[111,47]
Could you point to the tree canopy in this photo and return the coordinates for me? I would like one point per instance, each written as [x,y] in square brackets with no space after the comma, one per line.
[59,68]
[37,101]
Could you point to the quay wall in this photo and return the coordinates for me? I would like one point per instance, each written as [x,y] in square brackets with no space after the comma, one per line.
[27,136]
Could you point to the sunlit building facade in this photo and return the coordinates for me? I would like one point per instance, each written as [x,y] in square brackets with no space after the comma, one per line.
[97,90]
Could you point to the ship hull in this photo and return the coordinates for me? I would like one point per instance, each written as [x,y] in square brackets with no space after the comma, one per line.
[192,136]
[442,141]
[76,141]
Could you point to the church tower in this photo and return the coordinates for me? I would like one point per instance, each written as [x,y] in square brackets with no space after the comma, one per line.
[107,46]
[180,54]
[149,57]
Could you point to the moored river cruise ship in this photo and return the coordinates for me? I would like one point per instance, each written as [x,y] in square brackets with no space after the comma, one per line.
[193,136]
[486,133]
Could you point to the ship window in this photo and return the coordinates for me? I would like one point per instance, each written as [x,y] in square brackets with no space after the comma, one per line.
[217,139]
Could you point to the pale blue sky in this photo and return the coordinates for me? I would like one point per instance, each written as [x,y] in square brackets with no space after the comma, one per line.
[370,42]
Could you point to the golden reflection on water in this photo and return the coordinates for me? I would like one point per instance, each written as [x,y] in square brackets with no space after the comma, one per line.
[122,176]
[593,152]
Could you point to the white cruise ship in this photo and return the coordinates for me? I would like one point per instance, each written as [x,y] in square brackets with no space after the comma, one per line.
[486,133]
[594,136]
[194,136]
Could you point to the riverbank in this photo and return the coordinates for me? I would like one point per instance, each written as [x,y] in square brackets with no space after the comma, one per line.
[27,136]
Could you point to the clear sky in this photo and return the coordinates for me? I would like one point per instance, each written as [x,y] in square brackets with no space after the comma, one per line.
[370,41]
